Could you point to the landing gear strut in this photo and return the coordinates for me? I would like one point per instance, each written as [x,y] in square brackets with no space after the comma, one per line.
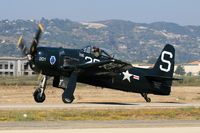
[147,99]
[68,94]
[39,95]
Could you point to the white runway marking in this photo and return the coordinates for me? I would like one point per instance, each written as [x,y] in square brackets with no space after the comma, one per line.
[112,130]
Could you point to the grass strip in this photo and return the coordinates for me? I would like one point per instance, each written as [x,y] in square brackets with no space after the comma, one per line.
[100,114]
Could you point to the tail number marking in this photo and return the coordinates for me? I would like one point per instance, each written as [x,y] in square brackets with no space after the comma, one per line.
[164,53]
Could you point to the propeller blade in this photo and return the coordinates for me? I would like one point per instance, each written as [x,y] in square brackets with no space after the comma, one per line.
[36,39]
[21,45]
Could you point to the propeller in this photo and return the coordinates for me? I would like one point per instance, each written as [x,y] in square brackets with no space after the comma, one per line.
[25,50]
[36,39]
[30,52]
[21,45]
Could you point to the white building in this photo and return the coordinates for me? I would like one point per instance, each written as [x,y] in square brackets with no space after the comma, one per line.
[11,66]
[192,67]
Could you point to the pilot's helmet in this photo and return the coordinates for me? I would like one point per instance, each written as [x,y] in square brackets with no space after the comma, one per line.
[95,49]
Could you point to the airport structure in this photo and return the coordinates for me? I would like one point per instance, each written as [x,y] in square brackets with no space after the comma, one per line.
[191,68]
[12,66]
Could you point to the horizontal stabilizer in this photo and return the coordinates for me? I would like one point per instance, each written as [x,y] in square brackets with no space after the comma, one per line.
[161,78]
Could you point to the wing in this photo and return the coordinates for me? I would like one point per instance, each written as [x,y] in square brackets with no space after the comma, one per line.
[107,67]
[94,65]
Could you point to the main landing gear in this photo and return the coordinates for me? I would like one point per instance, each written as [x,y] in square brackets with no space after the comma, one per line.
[39,95]
[68,94]
[147,99]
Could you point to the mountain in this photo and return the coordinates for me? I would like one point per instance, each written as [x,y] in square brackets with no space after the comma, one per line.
[133,42]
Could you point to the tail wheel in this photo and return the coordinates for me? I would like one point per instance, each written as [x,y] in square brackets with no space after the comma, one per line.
[38,97]
[148,99]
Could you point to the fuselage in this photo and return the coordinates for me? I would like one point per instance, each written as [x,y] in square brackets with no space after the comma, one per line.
[58,61]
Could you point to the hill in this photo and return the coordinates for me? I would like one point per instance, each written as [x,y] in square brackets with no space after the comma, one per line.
[134,42]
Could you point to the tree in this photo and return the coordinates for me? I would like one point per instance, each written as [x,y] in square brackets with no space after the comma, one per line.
[180,70]
[189,74]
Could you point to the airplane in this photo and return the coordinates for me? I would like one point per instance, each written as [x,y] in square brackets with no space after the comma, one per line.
[94,66]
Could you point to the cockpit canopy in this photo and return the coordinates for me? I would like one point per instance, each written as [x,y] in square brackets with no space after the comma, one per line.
[96,51]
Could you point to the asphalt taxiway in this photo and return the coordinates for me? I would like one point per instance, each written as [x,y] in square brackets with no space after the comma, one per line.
[76,124]
[110,130]
[113,130]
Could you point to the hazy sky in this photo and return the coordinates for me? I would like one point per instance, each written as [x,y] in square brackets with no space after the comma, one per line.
[184,12]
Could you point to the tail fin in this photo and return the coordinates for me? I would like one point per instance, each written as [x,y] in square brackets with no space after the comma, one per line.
[162,73]
[165,64]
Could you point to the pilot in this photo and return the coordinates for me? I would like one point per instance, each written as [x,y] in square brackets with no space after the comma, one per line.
[96,51]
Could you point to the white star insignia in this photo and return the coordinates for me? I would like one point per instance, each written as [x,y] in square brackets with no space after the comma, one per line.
[127,75]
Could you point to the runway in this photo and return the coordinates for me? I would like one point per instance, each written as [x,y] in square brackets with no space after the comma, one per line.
[97,105]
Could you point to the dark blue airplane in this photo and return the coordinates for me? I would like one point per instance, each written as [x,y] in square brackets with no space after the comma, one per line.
[94,66]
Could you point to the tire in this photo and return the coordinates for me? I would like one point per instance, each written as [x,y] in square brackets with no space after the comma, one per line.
[148,100]
[37,97]
[67,100]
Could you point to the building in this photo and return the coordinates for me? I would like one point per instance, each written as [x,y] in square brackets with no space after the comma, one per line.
[12,66]
[192,67]
[146,66]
